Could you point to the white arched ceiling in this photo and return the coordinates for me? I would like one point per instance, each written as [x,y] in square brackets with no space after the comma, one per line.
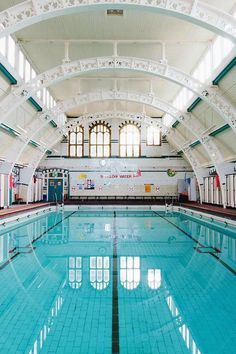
[30,12]
[212,97]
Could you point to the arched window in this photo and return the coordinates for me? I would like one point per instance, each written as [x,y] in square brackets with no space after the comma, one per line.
[75,272]
[99,272]
[153,136]
[76,142]
[154,278]
[130,272]
[100,140]
[129,140]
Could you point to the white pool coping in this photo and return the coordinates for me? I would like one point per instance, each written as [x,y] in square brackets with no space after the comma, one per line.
[42,211]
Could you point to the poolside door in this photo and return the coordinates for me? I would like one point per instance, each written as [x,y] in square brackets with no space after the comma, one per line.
[55,190]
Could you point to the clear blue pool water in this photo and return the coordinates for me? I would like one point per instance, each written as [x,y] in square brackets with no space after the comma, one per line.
[124,282]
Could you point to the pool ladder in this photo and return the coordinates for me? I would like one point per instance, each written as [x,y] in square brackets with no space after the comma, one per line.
[169,207]
[58,204]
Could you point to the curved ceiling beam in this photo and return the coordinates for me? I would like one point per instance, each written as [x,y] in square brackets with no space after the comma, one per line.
[194,162]
[91,117]
[68,70]
[12,157]
[30,12]
[187,120]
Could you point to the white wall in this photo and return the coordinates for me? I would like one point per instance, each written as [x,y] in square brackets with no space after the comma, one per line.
[118,176]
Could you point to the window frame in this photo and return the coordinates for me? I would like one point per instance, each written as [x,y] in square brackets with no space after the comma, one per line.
[126,145]
[103,145]
[78,129]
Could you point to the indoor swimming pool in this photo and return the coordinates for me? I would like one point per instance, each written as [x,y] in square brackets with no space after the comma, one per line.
[118,281]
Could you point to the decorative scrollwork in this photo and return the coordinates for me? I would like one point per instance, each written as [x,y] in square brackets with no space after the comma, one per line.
[188,120]
[66,70]
[137,117]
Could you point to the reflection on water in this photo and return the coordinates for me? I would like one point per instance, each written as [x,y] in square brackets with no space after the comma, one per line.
[154,278]
[99,272]
[221,239]
[8,246]
[75,272]
[183,328]
[45,330]
[130,272]
[170,298]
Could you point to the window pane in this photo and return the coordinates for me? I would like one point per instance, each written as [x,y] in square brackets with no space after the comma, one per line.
[39,94]
[33,73]
[129,150]
[93,138]
[79,151]
[79,138]
[130,137]
[44,95]
[93,151]
[99,151]
[72,151]
[135,135]
[122,138]
[72,138]
[11,51]
[27,70]
[48,99]
[100,138]
[3,46]
[21,64]
[106,138]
